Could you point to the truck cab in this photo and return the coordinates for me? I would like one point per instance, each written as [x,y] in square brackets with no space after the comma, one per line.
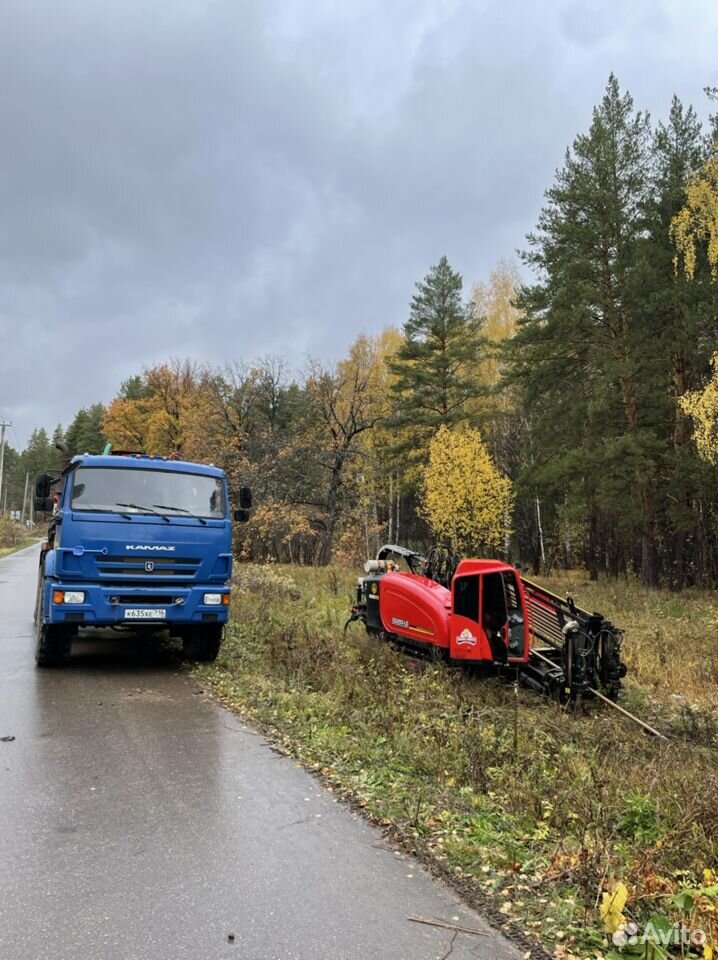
[138,543]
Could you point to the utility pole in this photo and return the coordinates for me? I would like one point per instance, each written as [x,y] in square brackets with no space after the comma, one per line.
[3,425]
[24,499]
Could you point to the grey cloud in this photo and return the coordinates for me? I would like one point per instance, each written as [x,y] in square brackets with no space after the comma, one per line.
[224,179]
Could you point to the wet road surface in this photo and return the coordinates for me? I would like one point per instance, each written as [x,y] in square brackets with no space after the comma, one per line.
[140,822]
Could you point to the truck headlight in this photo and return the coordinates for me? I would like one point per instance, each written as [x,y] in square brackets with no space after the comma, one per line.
[68,596]
[213,599]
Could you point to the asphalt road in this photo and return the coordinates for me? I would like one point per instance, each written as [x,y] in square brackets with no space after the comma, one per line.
[138,821]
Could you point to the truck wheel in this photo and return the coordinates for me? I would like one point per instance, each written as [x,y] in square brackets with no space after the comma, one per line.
[38,600]
[38,592]
[53,644]
[202,643]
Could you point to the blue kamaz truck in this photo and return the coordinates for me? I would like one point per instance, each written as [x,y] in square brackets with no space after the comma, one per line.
[135,543]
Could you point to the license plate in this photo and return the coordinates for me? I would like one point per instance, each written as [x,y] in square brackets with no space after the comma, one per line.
[145,613]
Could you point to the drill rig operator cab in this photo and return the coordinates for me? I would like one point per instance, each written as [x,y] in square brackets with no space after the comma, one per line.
[488,620]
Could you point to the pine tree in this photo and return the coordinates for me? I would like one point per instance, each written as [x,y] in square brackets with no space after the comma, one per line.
[435,367]
[611,340]
[58,435]
[13,481]
[40,455]
[676,316]
[84,435]
[581,350]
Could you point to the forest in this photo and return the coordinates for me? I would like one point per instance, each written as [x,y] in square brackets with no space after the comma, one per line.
[560,412]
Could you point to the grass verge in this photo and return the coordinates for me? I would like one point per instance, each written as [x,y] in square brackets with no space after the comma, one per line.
[20,545]
[536,811]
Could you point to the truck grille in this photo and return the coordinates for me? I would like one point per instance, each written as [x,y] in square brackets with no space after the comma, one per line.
[146,599]
[185,567]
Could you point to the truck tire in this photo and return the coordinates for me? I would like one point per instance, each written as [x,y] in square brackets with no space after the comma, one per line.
[202,643]
[38,593]
[38,599]
[53,644]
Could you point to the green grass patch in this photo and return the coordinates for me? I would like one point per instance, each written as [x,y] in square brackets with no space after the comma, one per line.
[19,545]
[542,825]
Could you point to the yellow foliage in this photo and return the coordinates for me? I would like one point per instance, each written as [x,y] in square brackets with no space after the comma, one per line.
[493,303]
[125,424]
[697,221]
[465,499]
[612,905]
[276,529]
[168,418]
[274,520]
[702,407]
[177,413]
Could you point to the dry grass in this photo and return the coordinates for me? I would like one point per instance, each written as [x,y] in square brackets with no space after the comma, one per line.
[14,536]
[670,646]
[541,827]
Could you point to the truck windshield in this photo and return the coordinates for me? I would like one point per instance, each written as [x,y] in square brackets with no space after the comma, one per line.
[123,490]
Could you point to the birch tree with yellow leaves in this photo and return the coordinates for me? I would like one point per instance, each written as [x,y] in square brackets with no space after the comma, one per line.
[492,303]
[465,500]
[695,226]
[702,407]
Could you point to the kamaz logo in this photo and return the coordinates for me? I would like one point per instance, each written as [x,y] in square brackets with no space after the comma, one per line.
[144,546]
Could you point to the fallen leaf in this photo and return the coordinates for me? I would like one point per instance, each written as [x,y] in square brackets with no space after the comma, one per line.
[611,909]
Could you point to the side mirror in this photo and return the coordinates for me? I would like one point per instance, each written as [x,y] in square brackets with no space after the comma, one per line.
[241,515]
[44,504]
[245,498]
[42,486]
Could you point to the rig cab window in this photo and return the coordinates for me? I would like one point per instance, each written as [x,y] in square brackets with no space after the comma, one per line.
[466,597]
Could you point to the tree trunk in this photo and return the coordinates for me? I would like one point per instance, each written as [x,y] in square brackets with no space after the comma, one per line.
[592,545]
[390,531]
[398,509]
[332,508]
[678,567]
[542,551]
[567,534]
[681,426]
[649,552]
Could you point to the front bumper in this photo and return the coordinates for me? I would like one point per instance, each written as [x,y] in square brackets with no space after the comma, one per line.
[106,605]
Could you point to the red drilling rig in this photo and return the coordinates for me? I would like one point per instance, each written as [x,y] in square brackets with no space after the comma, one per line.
[484,613]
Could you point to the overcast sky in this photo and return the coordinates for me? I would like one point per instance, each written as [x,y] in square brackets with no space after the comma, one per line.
[221,180]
